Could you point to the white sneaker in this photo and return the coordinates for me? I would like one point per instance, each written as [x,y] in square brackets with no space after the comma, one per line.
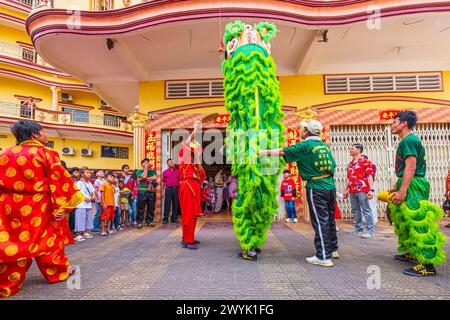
[318,262]
[111,232]
[367,235]
[87,235]
[287,220]
[295,220]
[79,238]
[335,255]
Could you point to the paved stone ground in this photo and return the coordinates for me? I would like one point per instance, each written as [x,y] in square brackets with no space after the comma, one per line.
[149,264]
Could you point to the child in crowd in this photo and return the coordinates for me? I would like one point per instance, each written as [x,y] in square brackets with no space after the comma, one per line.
[84,215]
[288,193]
[125,195]
[116,221]
[205,199]
[211,193]
[107,197]
[134,198]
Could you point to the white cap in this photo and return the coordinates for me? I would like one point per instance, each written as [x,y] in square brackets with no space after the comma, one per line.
[313,126]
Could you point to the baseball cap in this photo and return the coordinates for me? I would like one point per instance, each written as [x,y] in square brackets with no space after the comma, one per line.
[313,126]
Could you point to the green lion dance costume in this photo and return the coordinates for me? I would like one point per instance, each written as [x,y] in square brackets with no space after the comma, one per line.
[415,219]
[252,98]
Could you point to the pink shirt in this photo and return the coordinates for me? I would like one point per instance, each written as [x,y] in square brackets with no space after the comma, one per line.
[97,184]
[171,177]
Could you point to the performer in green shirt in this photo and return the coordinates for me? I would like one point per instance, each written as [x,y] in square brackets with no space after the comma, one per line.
[414,217]
[146,194]
[316,166]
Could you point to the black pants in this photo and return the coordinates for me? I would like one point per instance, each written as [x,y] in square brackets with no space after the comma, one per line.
[72,220]
[146,198]
[322,204]
[170,200]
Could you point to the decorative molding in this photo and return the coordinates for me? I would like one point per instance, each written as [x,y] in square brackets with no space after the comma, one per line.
[75,106]
[26,45]
[15,5]
[306,114]
[380,98]
[31,65]
[27,98]
[138,120]
[11,18]
[202,105]
[44,82]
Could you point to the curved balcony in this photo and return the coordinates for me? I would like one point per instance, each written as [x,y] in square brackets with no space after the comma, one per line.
[67,119]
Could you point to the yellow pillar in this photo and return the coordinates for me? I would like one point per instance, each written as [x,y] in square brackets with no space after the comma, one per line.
[139,122]
[55,97]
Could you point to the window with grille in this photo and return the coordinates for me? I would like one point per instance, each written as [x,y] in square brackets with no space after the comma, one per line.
[102,5]
[194,89]
[114,152]
[26,111]
[78,116]
[28,54]
[111,120]
[394,82]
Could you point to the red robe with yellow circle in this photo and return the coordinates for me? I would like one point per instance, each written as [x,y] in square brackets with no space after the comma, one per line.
[34,187]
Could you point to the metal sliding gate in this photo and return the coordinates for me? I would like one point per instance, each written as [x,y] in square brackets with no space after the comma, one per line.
[380,146]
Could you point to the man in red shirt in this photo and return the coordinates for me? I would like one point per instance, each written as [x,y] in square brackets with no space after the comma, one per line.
[192,175]
[170,185]
[360,186]
[288,193]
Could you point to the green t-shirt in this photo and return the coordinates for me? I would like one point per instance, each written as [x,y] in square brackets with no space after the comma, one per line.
[410,146]
[143,185]
[314,159]
[124,198]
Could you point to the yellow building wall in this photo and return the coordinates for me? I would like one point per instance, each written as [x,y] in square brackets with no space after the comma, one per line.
[11,35]
[298,91]
[152,97]
[94,162]
[307,90]
[10,87]
[85,98]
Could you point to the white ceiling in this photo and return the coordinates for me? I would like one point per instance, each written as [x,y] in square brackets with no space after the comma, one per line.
[413,43]
[189,50]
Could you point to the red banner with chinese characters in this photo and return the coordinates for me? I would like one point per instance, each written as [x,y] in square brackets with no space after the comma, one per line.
[222,118]
[150,148]
[388,114]
[293,138]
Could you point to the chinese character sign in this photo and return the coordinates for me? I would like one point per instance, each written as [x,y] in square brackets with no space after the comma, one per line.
[388,114]
[293,138]
[150,148]
[222,119]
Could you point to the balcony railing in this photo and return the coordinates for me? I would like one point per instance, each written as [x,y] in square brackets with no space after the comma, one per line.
[96,120]
[36,4]
[26,2]
[19,52]
[15,110]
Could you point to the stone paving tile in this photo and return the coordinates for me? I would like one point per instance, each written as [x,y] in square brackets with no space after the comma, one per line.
[101,266]
[349,276]
[150,264]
